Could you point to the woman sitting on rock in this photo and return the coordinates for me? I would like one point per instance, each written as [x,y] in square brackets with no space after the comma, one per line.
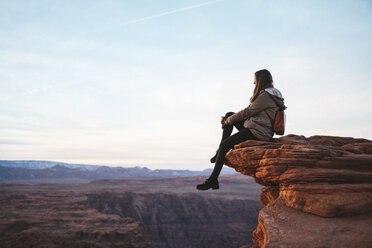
[254,123]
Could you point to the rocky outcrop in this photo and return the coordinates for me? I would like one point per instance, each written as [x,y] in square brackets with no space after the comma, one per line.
[318,190]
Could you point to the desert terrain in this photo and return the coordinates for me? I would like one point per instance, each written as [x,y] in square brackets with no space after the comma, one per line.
[128,213]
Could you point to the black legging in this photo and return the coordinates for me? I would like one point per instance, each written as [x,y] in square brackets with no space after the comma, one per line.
[228,142]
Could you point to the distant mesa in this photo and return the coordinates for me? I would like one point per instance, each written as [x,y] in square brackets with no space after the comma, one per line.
[11,170]
[318,190]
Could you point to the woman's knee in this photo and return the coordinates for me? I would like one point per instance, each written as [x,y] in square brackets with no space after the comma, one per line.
[224,146]
[229,114]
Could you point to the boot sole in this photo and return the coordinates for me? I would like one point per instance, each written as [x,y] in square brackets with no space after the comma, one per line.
[215,187]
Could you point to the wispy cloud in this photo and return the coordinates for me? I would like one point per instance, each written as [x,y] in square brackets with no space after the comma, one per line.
[36,91]
[167,13]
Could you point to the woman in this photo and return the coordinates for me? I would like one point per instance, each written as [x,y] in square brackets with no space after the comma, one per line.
[254,123]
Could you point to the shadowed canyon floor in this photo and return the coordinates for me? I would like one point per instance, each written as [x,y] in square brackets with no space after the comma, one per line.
[129,213]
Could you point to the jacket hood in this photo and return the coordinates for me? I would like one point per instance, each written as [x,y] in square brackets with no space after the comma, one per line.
[277,97]
[274,92]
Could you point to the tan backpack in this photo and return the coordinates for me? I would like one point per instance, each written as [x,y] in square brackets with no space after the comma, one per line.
[279,122]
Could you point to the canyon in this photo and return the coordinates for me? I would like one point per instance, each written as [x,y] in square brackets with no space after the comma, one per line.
[291,192]
[129,213]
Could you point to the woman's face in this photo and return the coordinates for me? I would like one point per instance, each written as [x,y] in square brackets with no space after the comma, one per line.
[255,80]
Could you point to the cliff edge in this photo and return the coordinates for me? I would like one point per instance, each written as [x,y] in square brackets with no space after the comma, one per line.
[318,190]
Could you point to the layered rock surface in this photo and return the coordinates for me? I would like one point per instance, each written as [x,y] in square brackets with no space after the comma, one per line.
[318,190]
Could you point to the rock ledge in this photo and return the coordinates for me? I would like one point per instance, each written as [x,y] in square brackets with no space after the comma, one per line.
[318,190]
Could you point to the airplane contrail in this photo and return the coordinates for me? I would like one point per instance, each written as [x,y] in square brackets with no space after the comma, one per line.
[168,12]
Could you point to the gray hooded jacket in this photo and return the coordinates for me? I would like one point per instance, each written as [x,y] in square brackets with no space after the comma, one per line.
[259,116]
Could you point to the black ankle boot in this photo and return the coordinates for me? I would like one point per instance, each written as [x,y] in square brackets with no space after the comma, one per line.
[209,183]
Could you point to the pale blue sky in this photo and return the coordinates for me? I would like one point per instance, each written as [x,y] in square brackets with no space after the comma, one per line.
[145,82]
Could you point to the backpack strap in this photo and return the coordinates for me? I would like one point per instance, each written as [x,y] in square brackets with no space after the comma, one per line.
[278,118]
[272,122]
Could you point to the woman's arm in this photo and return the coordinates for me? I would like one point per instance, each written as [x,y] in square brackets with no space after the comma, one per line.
[262,102]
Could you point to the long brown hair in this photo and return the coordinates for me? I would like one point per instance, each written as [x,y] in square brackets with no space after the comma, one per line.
[264,80]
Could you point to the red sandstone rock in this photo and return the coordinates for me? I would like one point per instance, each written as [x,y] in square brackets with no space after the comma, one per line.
[268,195]
[316,190]
[281,226]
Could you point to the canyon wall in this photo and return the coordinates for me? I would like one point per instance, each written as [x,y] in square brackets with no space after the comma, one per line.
[317,193]
[183,217]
